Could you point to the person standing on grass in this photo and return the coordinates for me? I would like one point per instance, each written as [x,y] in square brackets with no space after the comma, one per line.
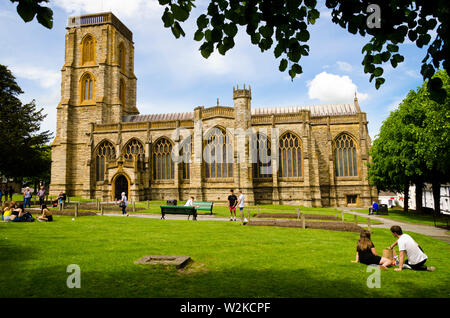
[41,195]
[367,254]
[232,202]
[11,192]
[410,249]
[27,197]
[240,203]
[123,204]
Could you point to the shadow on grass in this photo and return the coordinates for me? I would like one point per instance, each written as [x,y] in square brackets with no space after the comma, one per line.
[138,281]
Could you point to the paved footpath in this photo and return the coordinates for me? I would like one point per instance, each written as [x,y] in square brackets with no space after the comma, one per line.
[435,232]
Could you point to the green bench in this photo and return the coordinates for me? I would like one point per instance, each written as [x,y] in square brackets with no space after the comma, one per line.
[203,206]
[179,209]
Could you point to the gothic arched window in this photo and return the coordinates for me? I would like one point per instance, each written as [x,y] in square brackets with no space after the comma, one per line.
[122,91]
[345,156]
[290,160]
[261,156]
[88,49]
[134,149]
[87,87]
[121,57]
[105,152]
[218,154]
[163,168]
[185,154]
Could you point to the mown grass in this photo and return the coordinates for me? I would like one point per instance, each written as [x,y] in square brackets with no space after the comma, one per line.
[230,260]
[412,216]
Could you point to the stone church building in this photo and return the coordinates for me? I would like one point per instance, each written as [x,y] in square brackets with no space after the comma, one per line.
[304,155]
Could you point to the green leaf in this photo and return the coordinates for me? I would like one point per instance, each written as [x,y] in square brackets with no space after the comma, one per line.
[26,11]
[379,81]
[45,17]
[297,68]
[283,65]
[302,36]
[198,36]
[202,21]
[179,13]
[378,71]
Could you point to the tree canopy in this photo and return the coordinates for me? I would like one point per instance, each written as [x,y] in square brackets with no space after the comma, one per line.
[282,26]
[22,144]
[413,145]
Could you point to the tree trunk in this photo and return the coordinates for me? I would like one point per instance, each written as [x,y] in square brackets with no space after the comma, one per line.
[436,197]
[406,198]
[419,192]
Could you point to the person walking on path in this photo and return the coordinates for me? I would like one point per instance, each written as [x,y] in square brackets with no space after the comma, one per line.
[232,202]
[123,204]
[41,195]
[27,197]
[409,249]
[240,204]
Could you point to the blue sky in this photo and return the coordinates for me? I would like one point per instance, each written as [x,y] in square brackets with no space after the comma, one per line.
[174,77]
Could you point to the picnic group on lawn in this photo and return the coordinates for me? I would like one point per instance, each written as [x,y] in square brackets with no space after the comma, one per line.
[13,212]
[411,254]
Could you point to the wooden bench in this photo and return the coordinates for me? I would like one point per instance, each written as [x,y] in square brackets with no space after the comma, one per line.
[203,206]
[179,209]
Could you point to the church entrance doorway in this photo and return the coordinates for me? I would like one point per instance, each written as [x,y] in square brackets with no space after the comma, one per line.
[120,185]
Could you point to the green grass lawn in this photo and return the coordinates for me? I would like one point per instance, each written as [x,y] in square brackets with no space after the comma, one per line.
[230,260]
[397,214]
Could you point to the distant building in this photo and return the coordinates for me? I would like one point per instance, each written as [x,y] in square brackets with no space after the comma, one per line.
[391,199]
[397,199]
[427,197]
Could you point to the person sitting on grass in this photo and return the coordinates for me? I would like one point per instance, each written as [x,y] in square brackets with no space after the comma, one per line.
[46,214]
[17,212]
[410,249]
[6,212]
[366,253]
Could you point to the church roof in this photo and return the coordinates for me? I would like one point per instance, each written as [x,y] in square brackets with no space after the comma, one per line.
[316,111]
[157,117]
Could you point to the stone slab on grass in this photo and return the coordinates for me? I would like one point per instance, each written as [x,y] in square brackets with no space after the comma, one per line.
[165,260]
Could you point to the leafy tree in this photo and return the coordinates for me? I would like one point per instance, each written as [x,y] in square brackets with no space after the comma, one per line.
[282,26]
[22,146]
[28,9]
[413,145]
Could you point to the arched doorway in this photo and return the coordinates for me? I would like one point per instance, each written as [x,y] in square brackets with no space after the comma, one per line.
[120,185]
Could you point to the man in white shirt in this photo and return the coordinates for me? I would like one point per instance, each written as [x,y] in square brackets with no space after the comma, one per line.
[409,248]
[240,204]
[190,202]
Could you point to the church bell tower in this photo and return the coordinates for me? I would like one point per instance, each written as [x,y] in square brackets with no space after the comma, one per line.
[98,86]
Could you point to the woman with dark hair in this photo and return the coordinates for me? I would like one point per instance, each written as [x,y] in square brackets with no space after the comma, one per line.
[17,212]
[366,253]
[46,214]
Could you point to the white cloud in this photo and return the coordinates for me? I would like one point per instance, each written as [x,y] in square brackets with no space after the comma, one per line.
[129,8]
[344,66]
[46,78]
[331,88]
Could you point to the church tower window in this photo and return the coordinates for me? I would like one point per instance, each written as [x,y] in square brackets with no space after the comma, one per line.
[88,50]
[87,87]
